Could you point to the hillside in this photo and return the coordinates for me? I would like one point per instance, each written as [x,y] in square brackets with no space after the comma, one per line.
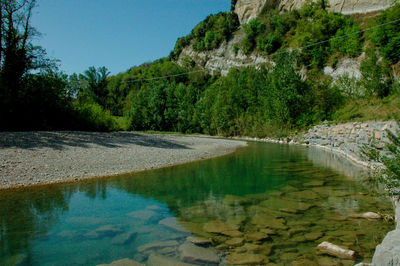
[278,74]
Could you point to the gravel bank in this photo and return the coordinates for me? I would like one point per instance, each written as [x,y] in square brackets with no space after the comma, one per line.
[31,158]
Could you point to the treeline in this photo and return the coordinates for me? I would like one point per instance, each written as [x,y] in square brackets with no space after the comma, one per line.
[269,100]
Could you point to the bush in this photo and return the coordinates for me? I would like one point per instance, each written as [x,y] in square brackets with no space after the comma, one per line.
[390,158]
[387,37]
[375,78]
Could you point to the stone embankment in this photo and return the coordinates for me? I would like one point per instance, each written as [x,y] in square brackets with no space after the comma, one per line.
[349,139]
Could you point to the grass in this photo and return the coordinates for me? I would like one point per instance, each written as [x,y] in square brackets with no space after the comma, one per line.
[369,109]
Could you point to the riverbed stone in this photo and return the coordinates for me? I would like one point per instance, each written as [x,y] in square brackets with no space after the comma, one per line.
[191,253]
[104,231]
[235,242]
[233,200]
[219,227]
[334,250]
[124,238]
[147,216]
[315,183]
[123,262]
[367,215]
[257,236]
[158,260]
[198,241]
[157,245]
[304,195]
[247,259]
[172,224]
[313,236]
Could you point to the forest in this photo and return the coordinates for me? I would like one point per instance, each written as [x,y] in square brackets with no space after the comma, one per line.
[269,100]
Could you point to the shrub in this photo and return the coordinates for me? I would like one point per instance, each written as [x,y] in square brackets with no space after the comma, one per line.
[387,37]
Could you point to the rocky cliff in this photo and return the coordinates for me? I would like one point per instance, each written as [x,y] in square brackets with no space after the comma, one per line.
[249,9]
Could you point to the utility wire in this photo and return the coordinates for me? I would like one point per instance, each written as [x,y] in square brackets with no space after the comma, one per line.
[298,48]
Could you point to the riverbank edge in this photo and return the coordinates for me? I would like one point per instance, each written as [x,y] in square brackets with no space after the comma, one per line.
[202,151]
[388,252]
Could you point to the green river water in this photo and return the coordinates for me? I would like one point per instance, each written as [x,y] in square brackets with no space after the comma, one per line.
[277,201]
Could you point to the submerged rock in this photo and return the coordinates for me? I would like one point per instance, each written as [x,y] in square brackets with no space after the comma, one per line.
[235,242]
[247,259]
[313,236]
[171,223]
[191,253]
[235,200]
[198,241]
[367,215]
[125,238]
[316,183]
[104,231]
[123,262]
[219,227]
[158,260]
[257,236]
[147,216]
[334,250]
[157,245]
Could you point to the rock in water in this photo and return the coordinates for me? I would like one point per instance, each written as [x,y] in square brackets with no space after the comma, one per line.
[247,259]
[191,253]
[123,262]
[198,241]
[334,250]
[367,215]
[371,215]
[124,239]
[158,260]
[171,223]
[157,245]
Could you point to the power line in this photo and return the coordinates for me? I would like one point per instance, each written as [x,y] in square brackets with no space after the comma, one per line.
[298,48]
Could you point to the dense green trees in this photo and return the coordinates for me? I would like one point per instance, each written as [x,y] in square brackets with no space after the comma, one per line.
[208,34]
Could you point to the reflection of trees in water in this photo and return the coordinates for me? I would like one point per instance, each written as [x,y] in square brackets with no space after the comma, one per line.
[29,214]
[258,169]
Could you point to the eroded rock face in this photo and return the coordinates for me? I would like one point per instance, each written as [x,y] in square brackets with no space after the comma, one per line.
[388,252]
[249,9]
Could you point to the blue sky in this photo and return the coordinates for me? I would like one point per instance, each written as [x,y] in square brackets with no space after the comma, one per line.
[117,34]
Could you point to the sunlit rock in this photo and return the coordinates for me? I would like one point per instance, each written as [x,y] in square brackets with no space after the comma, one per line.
[334,250]
[191,253]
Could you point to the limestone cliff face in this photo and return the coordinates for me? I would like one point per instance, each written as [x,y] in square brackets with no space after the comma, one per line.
[223,58]
[249,9]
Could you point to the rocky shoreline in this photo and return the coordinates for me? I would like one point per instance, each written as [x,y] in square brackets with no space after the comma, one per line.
[348,140]
[37,158]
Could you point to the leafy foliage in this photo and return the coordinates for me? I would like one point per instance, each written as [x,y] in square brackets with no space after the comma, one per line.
[209,34]
[390,158]
[387,37]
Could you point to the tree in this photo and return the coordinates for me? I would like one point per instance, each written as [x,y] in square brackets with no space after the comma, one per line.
[17,54]
[96,85]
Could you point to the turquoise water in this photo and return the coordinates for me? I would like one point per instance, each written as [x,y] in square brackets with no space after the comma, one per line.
[103,220]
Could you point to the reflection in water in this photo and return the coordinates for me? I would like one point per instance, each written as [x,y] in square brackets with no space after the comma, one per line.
[275,201]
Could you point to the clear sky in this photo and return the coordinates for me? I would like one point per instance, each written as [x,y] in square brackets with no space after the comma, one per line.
[117,34]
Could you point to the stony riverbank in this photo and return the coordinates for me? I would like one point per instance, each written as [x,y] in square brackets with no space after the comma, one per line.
[32,158]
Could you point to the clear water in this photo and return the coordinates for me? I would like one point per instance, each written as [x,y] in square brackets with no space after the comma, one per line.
[103,220]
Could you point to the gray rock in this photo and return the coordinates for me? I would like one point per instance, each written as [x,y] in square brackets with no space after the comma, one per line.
[171,223]
[123,262]
[148,216]
[388,252]
[157,245]
[104,231]
[124,239]
[158,260]
[191,253]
